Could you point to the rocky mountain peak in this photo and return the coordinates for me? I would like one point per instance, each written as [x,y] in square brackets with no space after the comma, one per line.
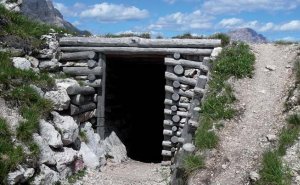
[247,35]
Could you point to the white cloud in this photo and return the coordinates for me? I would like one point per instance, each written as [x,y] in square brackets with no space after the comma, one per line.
[170,1]
[66,11]
[107,12]
[183,21]
[237,6]
[288,39]
[233,23]
[291,26]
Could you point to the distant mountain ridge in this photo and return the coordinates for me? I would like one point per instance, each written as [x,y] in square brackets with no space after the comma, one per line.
[41,10]
[247,35]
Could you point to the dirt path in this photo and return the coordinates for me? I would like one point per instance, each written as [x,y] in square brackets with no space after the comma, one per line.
[243,140]
[128,173]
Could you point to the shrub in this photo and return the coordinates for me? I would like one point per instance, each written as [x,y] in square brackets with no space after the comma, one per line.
[225,39]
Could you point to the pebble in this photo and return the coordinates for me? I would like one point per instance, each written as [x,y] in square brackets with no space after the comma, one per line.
[271,137]
[254,176]
[271,67]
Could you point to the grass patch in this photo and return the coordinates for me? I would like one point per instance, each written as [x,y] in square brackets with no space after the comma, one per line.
[273,172]
[23,28]
[294,119]
[78,176]
[235,60]
[225,39]
[10,155]
[192,163]
[11,76]
[83,136]
[287,138]
[297,70]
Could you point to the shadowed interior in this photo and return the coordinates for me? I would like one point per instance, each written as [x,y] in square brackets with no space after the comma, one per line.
[135,104]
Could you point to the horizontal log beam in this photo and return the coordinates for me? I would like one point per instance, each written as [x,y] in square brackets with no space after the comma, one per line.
[186,63]
[138,42]
[82,71]
[73,90]
[180,92]
[77,55]
[80,99]
[183,80]
[133,50]
[85,116]
[96,83]
[74,110]
[171,103]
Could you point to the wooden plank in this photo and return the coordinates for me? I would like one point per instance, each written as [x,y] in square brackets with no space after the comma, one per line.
[135,51]
[186,63]
[180,92]
[73,90]
[139,42]
[77,55]
[182,80]
[82,71]
[101,99]
[74,110]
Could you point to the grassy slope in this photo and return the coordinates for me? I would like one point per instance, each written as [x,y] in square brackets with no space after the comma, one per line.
[235,60]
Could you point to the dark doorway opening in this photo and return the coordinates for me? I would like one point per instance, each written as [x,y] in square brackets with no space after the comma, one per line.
[135,103]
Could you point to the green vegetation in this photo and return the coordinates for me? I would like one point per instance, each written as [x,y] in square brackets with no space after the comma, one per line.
[141,35]
[73,178]
[19,28]
[225,39]
[83,136]
[284,42]
[235,60]
[11,76]
[273,172]
[10,156]
[192,163]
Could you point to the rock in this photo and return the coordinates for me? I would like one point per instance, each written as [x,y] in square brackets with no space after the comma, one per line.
[50,135]
[29,173]
[65,83]
[38,90]
[67,127]
[16,176]
[246,35]
[52,65]
[254,176]
[115,148]
[93,139]
[21,63]
[78,165]
[34,62]
[191,72]
[271,137]
[271,67]
[11,5]
[189,147]
[60,99]
[46,54]
[89,157]
[46,176]
[216,52]
[46,154]
[65,161]
[291,158]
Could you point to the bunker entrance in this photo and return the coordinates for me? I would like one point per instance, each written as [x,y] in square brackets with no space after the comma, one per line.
[134,106]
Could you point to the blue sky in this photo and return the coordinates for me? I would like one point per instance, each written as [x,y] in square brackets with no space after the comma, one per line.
[276,19]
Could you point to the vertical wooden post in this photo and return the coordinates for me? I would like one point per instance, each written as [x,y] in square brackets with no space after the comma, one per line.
[101,99]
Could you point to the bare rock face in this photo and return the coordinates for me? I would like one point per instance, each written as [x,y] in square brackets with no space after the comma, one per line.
[89,157]
[246,35]
[60,99]
[67,126]
[49,134]
[46,155]
[44,11]
[115,148]
[46,176]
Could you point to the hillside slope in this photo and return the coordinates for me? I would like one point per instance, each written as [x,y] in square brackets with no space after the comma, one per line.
[247,35]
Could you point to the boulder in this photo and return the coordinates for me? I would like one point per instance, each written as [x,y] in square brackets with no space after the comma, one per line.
[115,148]
[46,176]
[34,62]
[60,98]
[65,83]
[65,161]
[16,176]
[51,65]
[50,135]
[89,157]
[93,139]
[11,5]
[67,127]
[21,63]
[46,154]
[216,52]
